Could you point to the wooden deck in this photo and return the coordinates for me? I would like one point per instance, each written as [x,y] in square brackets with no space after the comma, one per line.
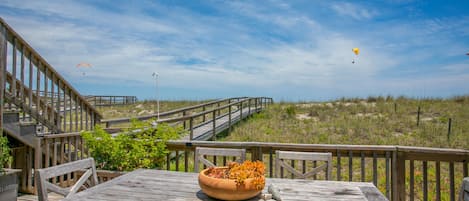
[29,197]
[147,184]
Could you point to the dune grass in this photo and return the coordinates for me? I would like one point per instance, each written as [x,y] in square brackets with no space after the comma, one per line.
[372,121]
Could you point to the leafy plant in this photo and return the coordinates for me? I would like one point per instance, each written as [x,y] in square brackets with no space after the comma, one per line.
[141,146]
[241,172]
[5,157]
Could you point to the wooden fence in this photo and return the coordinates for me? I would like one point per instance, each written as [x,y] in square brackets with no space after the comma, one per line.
[110,100]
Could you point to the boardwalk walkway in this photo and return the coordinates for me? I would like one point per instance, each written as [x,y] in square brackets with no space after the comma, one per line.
[204,131]
[205,121]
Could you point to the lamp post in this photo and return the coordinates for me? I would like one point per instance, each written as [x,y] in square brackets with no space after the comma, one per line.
[155,75]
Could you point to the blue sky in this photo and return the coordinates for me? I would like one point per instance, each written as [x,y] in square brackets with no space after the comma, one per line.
[288,50]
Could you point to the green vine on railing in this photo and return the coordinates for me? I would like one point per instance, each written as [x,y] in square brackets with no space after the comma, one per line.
[141,146]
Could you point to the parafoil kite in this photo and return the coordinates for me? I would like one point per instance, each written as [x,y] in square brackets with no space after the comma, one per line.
[356,51]
[82,66]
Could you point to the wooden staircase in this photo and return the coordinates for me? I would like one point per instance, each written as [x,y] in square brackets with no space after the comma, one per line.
[37,103]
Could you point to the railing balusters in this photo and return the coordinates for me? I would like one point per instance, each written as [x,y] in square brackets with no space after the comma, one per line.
[14,59]
[46,90]
[388,180]
[425,180]
[271,161]
[292,163]
[22,95]
[350,165]
[177,160]
[186,161]
[76,114]
[464,168]
[52,104]
[375,169]
[70,108]
[38,88]
[30,94]
[339,168]
[438,180]
[362,165]
[168,161]
[451,181]
[411,180]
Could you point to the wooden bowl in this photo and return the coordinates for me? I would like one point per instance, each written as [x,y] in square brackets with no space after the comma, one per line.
[226,189]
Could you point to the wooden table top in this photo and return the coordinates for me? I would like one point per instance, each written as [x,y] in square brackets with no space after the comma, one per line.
[144,184]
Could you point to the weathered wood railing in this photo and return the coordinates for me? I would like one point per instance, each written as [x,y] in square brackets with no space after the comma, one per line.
[244,106]
[392,169]
[178,112]
[110,100]
[183,115]
[26,74]
[400,172]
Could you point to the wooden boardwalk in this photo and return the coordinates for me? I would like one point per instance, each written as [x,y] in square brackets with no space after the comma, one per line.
[204,121]
[204,131]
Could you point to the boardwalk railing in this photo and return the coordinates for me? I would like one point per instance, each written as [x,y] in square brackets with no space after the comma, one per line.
[26,74]
[110,100]
[196,116]
[400,172]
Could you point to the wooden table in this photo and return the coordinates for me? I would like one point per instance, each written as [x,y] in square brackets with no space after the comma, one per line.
[146,184]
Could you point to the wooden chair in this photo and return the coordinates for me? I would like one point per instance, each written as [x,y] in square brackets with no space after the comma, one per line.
[303,156]
[464,191]
[200,152]
[42,177]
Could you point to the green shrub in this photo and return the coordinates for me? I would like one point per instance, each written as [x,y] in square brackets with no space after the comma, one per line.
[141,146]
[5,157]
[291,111]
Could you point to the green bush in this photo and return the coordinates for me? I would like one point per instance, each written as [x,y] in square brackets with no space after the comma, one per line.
[141,146]
[5,157]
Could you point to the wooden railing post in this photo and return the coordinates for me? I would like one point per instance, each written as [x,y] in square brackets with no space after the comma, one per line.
[214,126]
[184,121]
[257,154]
[191,127]
[3,61]
[229,119]
[249,106]
[240,111]
[398,176]
[37,156]
[255,103]
[203,110]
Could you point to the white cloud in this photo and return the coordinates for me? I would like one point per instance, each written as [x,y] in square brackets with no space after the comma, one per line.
[353,10]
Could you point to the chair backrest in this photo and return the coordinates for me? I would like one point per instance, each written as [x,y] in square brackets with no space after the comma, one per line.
[200,152]
[303,156]
[464,191]
[42,177]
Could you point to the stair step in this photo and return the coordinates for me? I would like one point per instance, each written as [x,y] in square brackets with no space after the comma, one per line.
[11,117]
[28,128]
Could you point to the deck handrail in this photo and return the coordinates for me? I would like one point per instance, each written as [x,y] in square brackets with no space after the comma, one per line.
[392,168]
[46,79]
